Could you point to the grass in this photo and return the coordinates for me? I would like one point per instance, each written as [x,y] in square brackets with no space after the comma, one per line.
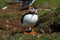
[37,2]
[13,16]
[8,16]
[20,36]
[47,3]
[2,3]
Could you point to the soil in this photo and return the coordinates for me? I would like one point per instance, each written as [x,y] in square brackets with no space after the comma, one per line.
[12,24]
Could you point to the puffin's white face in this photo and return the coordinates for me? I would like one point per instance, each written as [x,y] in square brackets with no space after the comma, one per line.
[33,10]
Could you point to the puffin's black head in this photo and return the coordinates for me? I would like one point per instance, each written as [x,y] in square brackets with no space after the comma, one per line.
[33,10]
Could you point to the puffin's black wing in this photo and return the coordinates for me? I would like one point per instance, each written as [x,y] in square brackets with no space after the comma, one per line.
[23,17]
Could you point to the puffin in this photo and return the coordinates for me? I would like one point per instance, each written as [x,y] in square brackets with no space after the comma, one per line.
[26,4]
[29,18]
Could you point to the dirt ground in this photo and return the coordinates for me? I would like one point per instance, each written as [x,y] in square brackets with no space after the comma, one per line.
[11,24]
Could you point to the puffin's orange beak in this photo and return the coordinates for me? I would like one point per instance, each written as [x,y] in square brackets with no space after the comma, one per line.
[30,6]
[34,12]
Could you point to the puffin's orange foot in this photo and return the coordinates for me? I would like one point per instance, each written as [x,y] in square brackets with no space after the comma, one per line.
[25,33]
[33,32]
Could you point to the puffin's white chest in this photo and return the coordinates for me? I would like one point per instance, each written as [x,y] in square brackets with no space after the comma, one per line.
[30,19]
